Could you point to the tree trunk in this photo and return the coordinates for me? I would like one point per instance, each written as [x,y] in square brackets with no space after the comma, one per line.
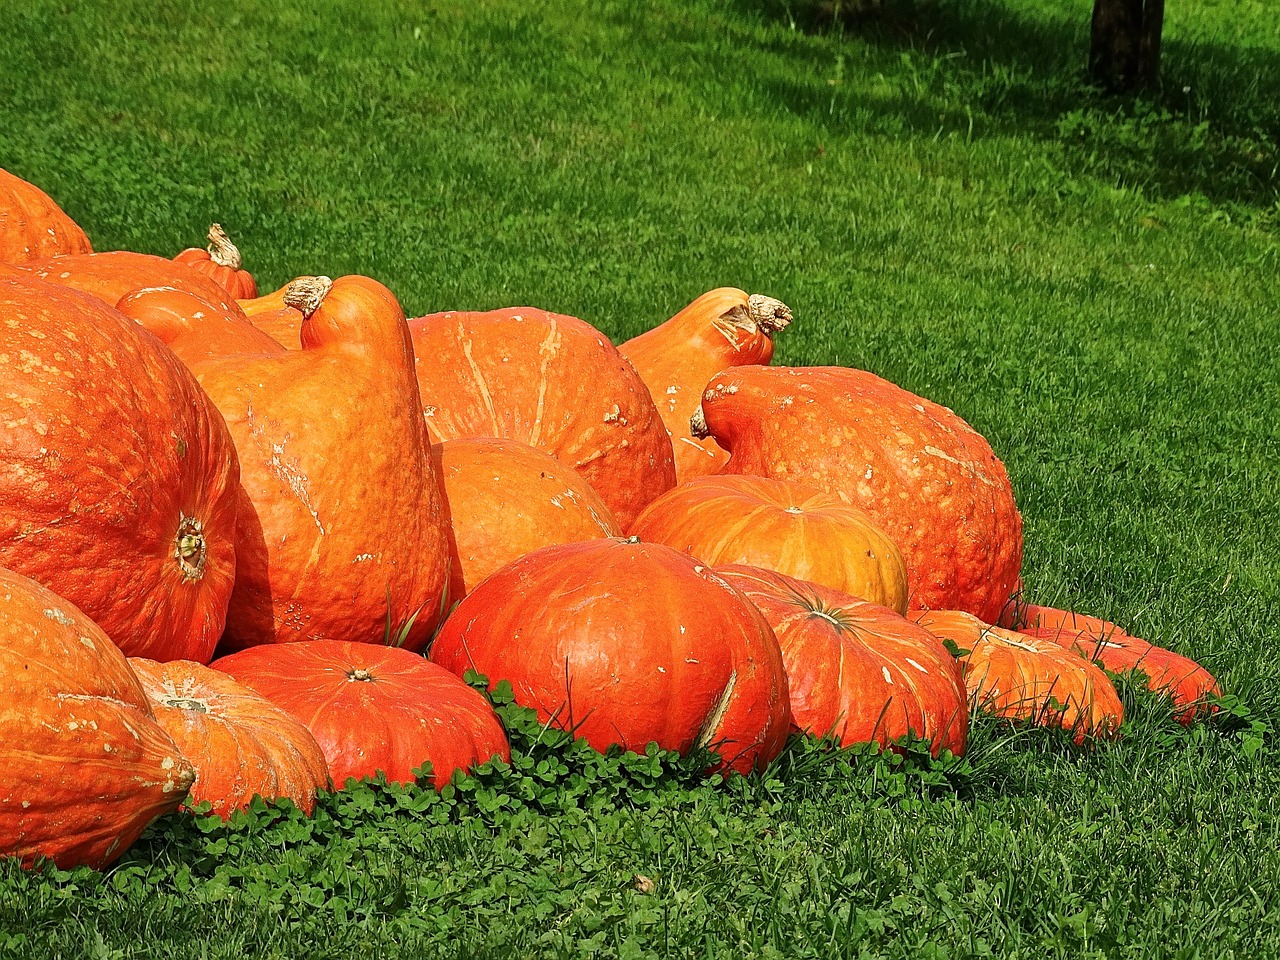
[1124,52]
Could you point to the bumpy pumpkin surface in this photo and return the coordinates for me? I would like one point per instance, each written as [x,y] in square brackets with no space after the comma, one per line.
[220,261]
[32,226]
[239,743]
[1024,678]
[722,328]
[84,767]
[280,314]
[1189,684]
[627,643]
[507,499]
[779,525]
[341,513]
[924,475]
[858,671]
[192,327]
[552,382]
[118,478]
[375,708]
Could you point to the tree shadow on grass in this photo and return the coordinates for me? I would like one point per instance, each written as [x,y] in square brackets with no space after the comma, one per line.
[921,68]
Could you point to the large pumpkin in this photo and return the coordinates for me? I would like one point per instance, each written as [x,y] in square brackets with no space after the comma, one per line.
[192,327]
[220,261]
[722,328]
[507,499]
[924,475]
[32,226]
[118,478]
[858,671]
[83,765]
[1185,681]
[375,708]
[553,382]
[342,520]
[240,744]
[1027,679]
[779,525]
[627,643]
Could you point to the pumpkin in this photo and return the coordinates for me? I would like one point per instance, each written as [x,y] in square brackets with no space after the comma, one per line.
[925,476]
[507,499]
[1028,679]
[375,708]
[118,478]
[84,766]
[627,643]
[1185,681]
[552,382]
[280,314]
[221,262]
[32,226]
[722,328]
[858,671]
[193,328]
[240,744]
[782,526]
[342,523]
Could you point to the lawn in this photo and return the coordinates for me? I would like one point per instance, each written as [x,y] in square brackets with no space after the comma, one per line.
[1093,284]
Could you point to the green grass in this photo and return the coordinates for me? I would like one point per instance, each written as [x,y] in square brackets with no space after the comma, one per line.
[1091,283]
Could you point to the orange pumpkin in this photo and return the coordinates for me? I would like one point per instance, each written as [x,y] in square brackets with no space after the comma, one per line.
[1189,684]
[280,314]
[221,262]
[782,526]
[118,478]
[375,708]
[342,521]
[1027,679]
[193,328]
[552,382]
[627,643]
[507,499]
[858,671]
[84,767]
[240,744]
[722,328]
[925,476]
[32,226]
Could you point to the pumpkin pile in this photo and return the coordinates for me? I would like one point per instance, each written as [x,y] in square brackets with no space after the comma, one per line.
[251,545]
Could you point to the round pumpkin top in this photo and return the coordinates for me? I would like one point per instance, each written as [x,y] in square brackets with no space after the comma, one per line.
[32,225]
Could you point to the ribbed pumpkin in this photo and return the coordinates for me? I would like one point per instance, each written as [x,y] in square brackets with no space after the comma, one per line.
[192,327]
[32,225]
[722,328]
[240,744]
[220,261]
[779,525]
[1024,678]
[553,382]
[924,475]
[507,499]
[279,314]
[627,643]
[84,767]
[1189,684]
[118,478]
[858,671]
[375,708]
[342,519]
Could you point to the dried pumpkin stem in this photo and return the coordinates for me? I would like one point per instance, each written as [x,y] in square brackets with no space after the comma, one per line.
[221,250]
[769,314]
[698,424]
[305,294]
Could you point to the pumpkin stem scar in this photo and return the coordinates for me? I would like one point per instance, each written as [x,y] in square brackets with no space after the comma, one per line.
[698,424]
[186,703]
[189,549]
[360,674]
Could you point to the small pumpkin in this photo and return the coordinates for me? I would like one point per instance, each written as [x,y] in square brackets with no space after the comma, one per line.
[192,327]
[858,671]
[927,478]
[240,744]
[221,262]
[723,328]
[374,708]
[84,767]
[32,225]
[782,526]
[280,314]
[552,382]
[627,643]
[507,499]
[1028,679]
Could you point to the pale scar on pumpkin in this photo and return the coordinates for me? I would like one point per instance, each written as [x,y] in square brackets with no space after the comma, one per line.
[485,396]
[718,711]
[547,350]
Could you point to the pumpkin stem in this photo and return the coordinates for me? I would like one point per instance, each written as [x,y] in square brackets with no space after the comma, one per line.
[189,549]
[359,673]
[305,294]
[769,314]
[698,424]
[221,250]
